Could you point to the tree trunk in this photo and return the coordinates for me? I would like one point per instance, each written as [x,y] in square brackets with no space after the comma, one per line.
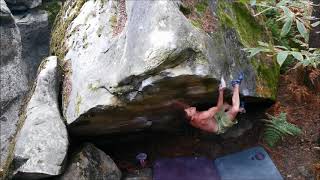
[314,41]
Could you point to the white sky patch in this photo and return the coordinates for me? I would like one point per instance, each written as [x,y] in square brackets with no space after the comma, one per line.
[161,38]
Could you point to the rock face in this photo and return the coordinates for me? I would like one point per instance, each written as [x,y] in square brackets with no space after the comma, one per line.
[35,37]
[42,143]
[91,163]
[23,4]
[13,81]
[124,61]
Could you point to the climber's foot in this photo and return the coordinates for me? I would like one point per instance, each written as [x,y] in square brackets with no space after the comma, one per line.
[237,81]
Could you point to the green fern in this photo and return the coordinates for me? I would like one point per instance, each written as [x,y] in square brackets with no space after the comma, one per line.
[277,128]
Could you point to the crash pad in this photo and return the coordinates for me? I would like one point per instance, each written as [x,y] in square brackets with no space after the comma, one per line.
[253,163]
[185,168]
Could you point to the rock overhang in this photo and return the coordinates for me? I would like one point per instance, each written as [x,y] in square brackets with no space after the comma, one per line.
[155,59]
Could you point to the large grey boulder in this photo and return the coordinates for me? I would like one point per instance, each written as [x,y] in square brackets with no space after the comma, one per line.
[91,163]
[42,142]
[23,4]
[121,77]
[13,83]
[35,37]
[5,13]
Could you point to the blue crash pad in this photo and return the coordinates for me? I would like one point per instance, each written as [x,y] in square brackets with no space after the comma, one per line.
[251,164]
[185,168]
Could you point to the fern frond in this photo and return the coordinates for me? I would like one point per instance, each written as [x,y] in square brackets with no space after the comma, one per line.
[277,128]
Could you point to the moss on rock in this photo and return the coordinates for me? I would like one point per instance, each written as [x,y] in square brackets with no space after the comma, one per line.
[67,84]
[202,6]
[198,13]
[268,75]
[78,104]
[67,14]
[237,16]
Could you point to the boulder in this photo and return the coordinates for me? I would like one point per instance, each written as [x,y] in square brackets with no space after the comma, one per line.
[5,14]
[91,163]
[35,37]
[13,83]
[42,143]
[125,61]
[20,5]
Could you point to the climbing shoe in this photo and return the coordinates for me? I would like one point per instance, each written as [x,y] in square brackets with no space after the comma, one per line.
[237,81]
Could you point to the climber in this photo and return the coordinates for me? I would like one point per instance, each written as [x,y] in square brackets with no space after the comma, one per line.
[219,118]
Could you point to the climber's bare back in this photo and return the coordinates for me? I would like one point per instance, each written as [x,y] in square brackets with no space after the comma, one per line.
[205,120]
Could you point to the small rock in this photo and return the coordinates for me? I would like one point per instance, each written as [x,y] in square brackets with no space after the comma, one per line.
[91,163]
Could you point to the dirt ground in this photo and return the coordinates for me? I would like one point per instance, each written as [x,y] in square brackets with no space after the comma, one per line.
[296,158]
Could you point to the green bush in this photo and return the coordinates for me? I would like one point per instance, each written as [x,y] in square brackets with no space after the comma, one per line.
[289,23]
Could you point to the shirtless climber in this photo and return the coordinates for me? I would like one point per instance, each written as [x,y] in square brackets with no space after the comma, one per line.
[219,118]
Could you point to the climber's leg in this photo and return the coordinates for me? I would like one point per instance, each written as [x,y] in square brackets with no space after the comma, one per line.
[232,113]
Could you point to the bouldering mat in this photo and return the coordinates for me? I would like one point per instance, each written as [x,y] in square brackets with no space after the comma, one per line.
[251,164]
[185,168]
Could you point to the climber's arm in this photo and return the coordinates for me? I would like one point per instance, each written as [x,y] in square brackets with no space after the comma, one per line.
[220,100]
[209,113]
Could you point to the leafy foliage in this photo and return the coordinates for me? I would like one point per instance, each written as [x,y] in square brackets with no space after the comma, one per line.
[289,23]
[277,128]
[52,7]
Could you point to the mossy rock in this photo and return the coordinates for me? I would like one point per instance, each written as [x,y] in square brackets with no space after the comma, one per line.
[57,46]
[237,16]
[201,6]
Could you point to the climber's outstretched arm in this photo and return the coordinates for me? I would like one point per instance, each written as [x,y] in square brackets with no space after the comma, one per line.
[220,100]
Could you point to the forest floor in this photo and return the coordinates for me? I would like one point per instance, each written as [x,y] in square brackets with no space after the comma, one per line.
[296,157]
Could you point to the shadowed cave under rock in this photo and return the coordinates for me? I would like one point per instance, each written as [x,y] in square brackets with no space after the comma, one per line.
[152,108]
[180,139]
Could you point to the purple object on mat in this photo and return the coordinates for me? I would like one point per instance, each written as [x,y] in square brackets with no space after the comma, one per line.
[185,168]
